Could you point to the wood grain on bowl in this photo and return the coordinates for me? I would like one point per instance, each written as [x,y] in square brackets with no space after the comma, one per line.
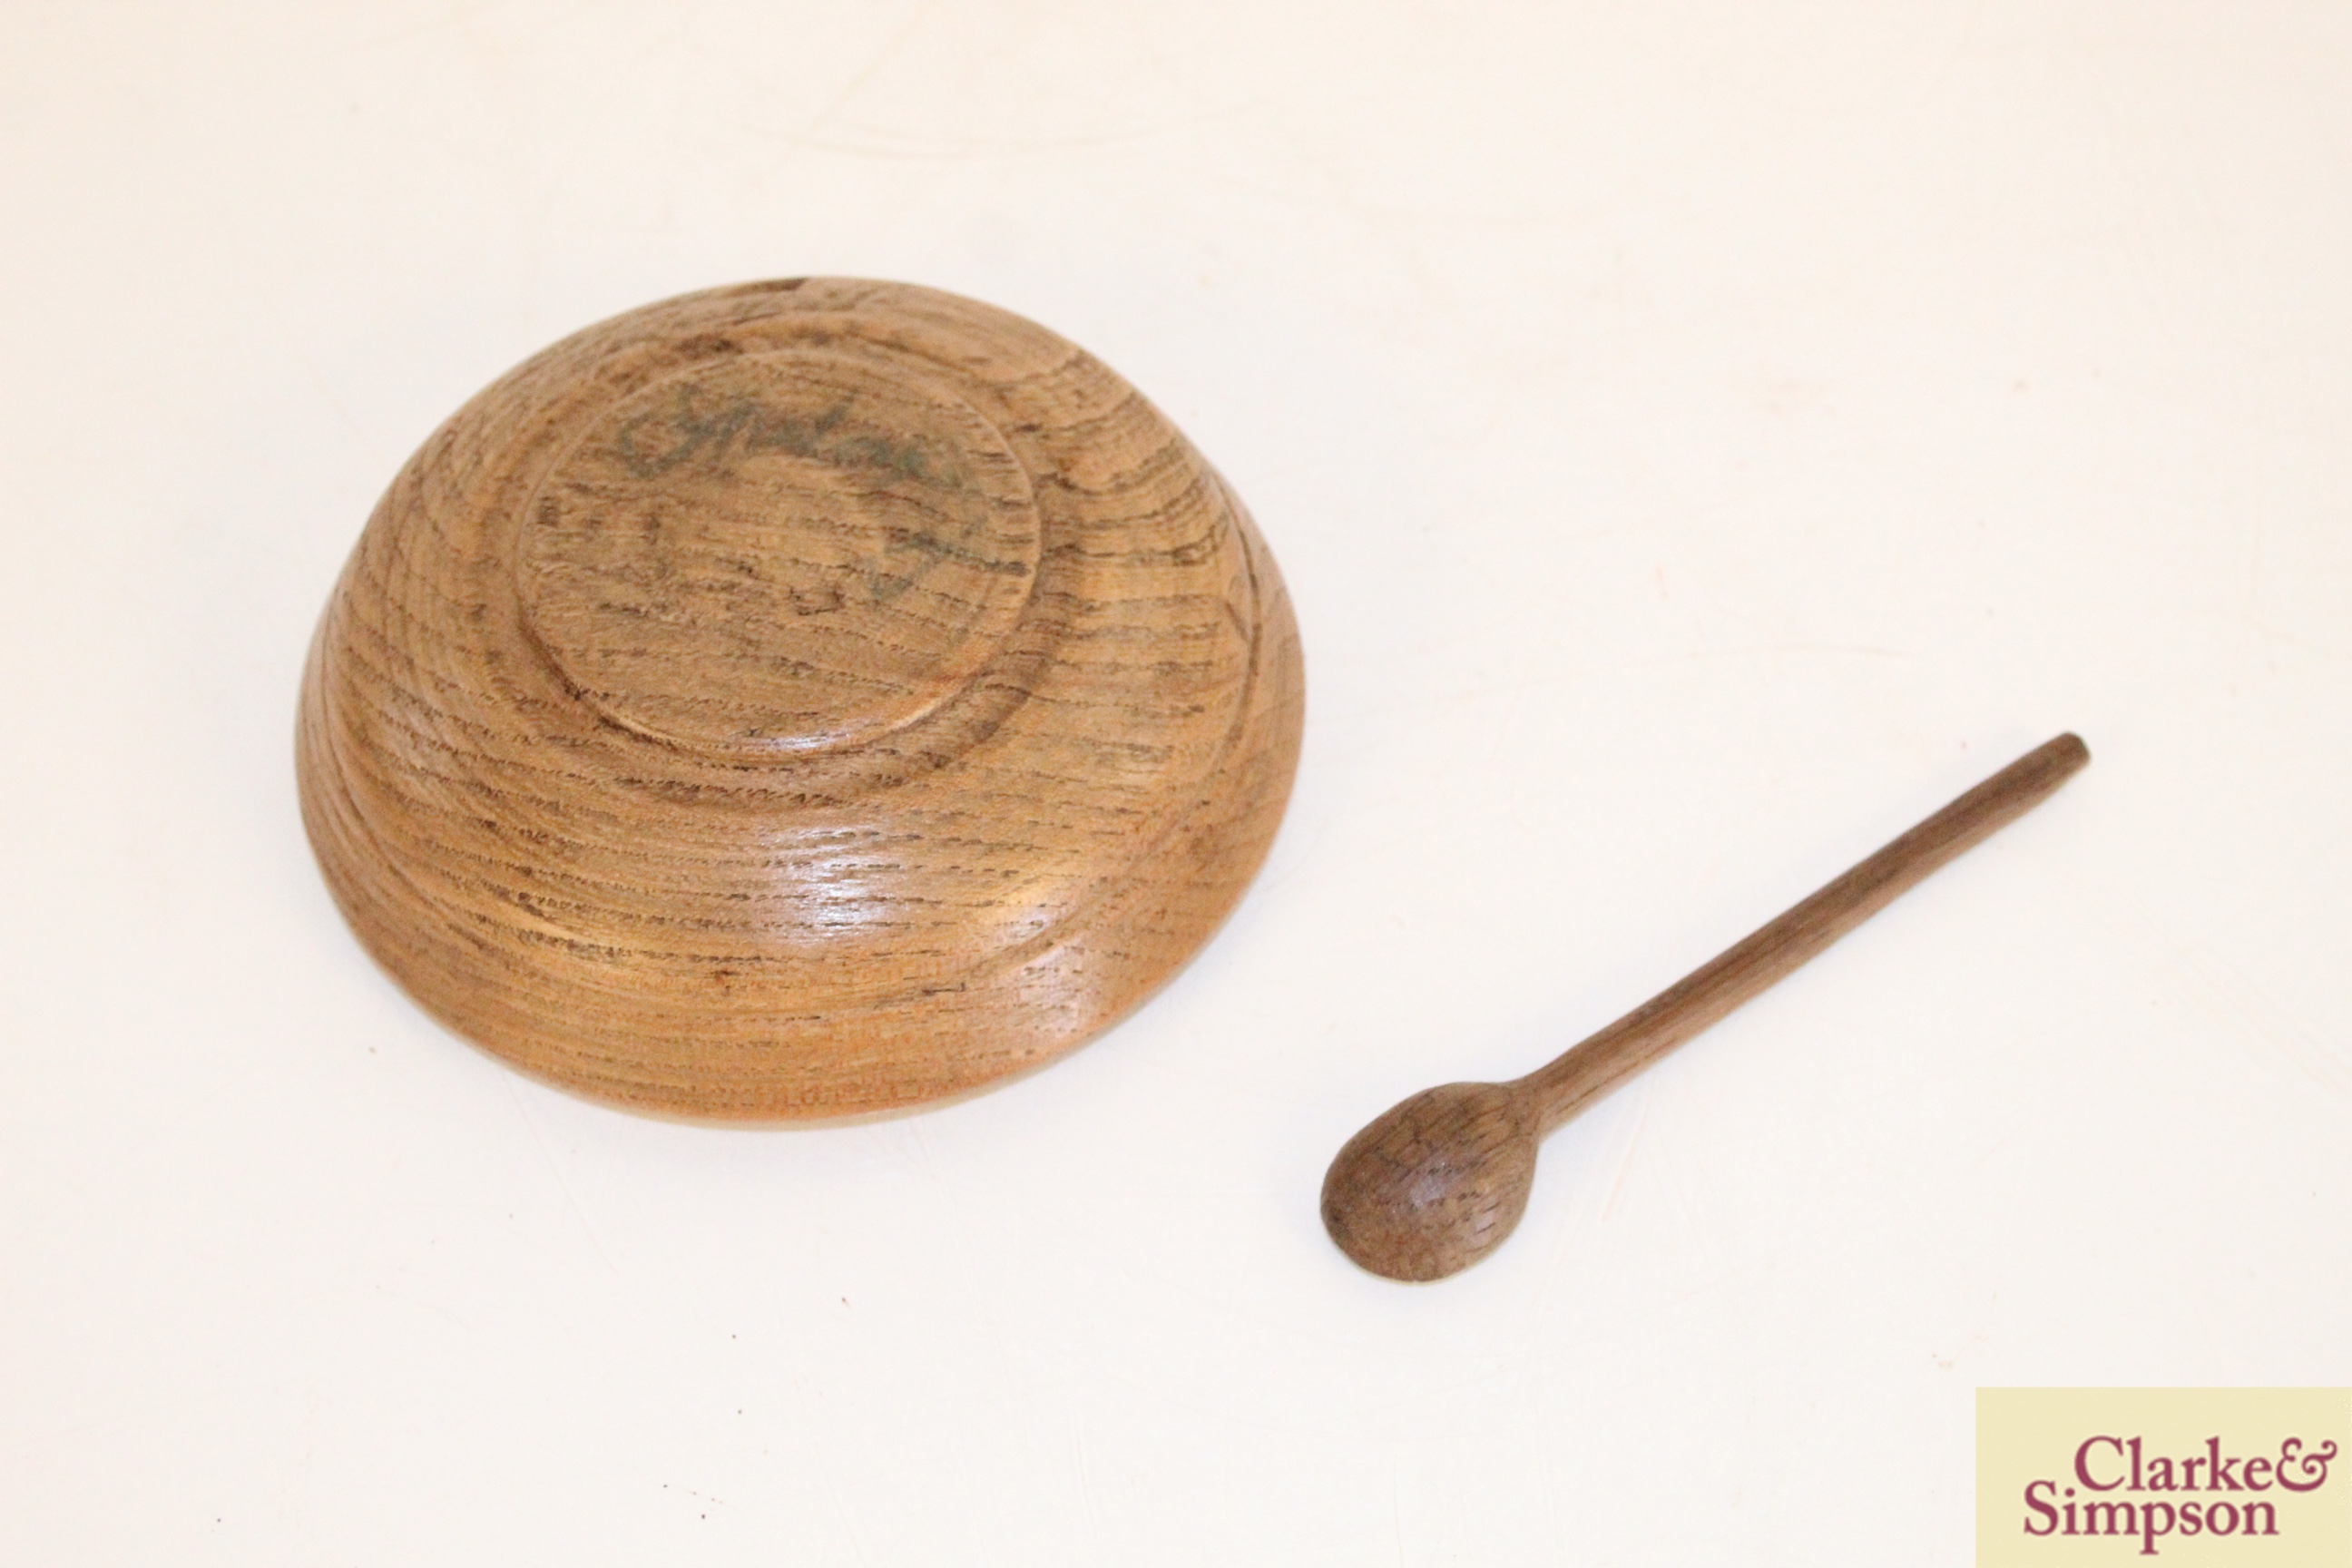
[798,699]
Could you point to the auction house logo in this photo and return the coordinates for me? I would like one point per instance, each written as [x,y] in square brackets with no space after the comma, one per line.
[2235,1476]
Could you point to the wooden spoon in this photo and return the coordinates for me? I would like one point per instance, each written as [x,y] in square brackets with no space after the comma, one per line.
[1438,1182]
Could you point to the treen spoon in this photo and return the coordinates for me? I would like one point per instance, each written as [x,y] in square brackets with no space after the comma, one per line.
[1438,1181]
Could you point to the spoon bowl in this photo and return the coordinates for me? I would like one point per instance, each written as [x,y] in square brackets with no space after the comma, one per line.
[1436,1183]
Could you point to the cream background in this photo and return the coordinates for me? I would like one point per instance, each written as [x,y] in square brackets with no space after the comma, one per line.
[1700,438]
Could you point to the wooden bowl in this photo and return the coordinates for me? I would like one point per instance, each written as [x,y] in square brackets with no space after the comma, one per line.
[798,699]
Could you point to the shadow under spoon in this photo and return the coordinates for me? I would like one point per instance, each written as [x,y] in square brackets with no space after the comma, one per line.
[1438,1181]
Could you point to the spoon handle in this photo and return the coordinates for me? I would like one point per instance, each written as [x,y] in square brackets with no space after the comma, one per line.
[1588,1070]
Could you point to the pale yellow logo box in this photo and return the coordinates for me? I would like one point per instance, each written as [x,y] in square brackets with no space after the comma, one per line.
[2243,1477]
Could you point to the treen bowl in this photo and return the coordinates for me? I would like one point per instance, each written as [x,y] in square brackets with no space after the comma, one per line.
[798,699]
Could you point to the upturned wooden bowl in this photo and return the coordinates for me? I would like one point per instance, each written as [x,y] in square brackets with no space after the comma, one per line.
[798,699]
